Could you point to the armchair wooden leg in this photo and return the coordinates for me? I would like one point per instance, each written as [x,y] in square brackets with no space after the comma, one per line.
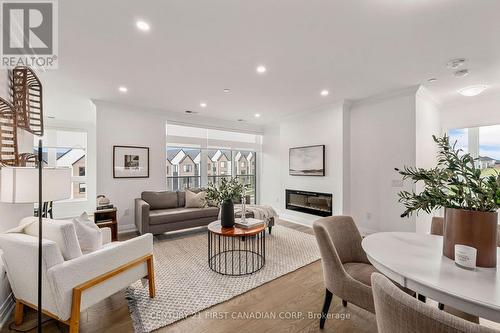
[326,306]
[74,321]
[19,313]
[151,278]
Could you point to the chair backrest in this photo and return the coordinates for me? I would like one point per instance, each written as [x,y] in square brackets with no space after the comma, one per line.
[339,242]
[343,235]
[398,312]
[437,225]
[437,228]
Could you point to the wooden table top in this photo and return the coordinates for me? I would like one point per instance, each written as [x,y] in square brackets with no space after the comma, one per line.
[216,228]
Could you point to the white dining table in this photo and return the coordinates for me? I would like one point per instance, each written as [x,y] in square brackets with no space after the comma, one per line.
[416,262]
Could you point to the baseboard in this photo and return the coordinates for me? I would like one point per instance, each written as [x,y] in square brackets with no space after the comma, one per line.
[6,310]
[122,229]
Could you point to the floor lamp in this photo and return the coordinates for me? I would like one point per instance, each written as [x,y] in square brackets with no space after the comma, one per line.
[22,185]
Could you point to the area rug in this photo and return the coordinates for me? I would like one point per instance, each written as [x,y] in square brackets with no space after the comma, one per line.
[185,285]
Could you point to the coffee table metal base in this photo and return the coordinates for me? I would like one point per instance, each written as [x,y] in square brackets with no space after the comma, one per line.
[236,255]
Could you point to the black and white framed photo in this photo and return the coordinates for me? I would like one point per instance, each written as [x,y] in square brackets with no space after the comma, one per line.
[130,162]
[307,161]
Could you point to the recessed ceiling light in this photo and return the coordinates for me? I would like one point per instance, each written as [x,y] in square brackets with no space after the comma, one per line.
[432,79]
[324,92]
[473,90]
[261,69]
[142,25]
[257,115]
[455,63]
[226,90]
[122,89]
[461,73]
[203,104]
[51,117]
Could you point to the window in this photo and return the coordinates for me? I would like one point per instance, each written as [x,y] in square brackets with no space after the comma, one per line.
[482,143]
[185,164]
[215,153]
[67,148]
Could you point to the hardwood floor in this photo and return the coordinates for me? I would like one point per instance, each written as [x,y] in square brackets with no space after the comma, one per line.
[291,303]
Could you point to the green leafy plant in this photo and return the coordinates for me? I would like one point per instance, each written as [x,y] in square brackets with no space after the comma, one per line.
[455,182]
[227,190]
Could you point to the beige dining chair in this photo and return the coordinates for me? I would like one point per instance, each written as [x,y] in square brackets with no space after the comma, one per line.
[346,268]
[398,312]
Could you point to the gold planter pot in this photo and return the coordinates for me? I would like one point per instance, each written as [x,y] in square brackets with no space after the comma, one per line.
[471,228]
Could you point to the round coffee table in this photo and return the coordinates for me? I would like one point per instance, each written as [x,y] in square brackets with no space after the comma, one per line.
[236,251]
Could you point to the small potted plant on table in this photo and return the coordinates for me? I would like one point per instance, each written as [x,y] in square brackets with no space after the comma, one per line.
[470,201]
[223,195]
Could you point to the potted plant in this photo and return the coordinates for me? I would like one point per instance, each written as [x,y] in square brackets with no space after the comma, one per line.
[470,201]
[223,195]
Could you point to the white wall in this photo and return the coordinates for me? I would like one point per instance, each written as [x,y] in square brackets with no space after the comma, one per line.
[318,127]
[135,126]
[126,127]
[427,124]
[481,110]
[269,189]
[382,138]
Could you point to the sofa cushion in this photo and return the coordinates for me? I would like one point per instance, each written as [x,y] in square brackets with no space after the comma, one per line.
[180,214]
[181,198]
[360,271]
[88,233]
[160,200]
[195,200]
[181,195]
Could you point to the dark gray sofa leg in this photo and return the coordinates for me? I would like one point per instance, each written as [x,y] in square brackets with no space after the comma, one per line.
[326,306]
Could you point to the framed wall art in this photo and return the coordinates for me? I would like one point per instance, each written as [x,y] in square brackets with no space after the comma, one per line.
[130,162]
[307,161]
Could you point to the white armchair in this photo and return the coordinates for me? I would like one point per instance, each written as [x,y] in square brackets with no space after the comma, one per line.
[72,281]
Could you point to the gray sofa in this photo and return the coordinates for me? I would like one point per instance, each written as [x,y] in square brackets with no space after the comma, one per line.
[159,212]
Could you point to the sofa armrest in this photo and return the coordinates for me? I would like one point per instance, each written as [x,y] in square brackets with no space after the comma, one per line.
[20,256]
[142,216]
[106,235]
[72,273]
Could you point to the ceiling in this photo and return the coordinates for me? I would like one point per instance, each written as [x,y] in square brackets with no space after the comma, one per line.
[196,49]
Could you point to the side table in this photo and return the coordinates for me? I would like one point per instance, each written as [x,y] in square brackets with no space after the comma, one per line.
[106,218]
[236,251]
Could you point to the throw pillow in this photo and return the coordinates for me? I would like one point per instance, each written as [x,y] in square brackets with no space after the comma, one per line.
[88,233]
[195,200]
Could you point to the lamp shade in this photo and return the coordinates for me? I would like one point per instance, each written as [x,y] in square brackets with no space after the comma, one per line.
[20,184]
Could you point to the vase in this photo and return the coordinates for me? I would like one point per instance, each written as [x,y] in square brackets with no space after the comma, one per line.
[471,228]
[227,213]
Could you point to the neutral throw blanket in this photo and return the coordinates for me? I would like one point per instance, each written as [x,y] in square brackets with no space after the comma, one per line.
[260,212]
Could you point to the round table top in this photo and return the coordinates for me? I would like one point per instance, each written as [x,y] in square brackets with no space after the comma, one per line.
[416,262]
[216,228]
